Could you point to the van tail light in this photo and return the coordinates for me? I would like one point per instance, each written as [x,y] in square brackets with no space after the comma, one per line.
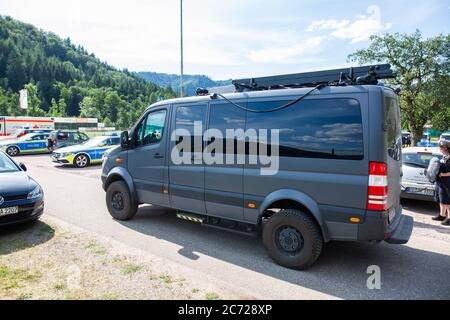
[378,187]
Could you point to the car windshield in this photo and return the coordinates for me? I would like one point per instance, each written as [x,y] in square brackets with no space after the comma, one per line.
[446,137]
[6,165]
[418,160]
[95,142]
[27,137]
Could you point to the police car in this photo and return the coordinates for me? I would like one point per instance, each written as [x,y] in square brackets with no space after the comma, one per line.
[90,152]
[30,143]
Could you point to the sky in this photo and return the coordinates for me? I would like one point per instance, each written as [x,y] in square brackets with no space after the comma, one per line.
[229,39]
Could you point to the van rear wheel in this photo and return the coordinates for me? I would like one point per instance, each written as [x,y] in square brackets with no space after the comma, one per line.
[119,201]
[293,239]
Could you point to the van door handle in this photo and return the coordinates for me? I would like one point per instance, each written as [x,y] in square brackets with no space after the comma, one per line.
[158,156]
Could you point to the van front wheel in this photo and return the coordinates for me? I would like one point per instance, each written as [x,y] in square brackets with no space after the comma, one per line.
[293,239]
[119,201]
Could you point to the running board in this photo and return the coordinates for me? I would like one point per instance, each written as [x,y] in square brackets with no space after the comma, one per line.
[191,217]
[218,224]
[252,234]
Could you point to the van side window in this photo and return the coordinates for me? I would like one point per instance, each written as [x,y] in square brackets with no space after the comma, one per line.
[325,128]
[186,116]
[224,116]
[153,129]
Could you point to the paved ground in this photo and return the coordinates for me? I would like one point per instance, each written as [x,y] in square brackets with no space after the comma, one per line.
[418,270]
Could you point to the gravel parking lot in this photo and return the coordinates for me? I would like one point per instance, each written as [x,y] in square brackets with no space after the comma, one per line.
[414,271]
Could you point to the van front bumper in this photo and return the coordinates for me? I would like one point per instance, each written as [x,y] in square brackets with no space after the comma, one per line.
[377,227]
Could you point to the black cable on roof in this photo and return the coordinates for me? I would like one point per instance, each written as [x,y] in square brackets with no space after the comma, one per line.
[320,86]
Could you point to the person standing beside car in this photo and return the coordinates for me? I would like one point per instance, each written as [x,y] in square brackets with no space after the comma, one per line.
[443,185]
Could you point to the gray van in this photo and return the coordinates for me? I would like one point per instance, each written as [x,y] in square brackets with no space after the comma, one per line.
[339,163]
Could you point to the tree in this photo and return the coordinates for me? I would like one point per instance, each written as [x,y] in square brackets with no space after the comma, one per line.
[124,117]
[62,107]
[15,71]
[422,67]
[57,109]
[34,103]
[53,111]
[108,123]
[65,73]
[88,109]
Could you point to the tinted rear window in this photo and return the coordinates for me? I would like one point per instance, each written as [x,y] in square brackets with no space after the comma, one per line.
[325,128]
[186,116]
[393,128]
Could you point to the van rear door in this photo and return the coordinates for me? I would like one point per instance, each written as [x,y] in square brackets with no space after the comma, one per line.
[393,140]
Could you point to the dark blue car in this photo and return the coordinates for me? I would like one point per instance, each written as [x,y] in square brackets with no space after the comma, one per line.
[21,198]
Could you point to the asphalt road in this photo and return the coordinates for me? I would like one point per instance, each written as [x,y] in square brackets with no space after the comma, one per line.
[418,270]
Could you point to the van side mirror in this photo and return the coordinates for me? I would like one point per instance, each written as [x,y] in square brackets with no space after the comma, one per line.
[23,167]
[125,141]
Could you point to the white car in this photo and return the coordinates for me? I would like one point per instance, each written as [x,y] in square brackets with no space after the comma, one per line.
[415,184]
[445,136]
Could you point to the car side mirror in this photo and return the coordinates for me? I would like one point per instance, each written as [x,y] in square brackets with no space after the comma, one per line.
[125,141]
[23,167]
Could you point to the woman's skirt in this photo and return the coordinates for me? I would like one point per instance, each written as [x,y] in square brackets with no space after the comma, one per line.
[442,195]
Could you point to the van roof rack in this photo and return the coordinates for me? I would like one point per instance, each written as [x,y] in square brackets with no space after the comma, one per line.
[366,75]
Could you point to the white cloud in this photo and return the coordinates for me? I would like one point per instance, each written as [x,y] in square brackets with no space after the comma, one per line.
[328,24]
[359,30]
[287,54]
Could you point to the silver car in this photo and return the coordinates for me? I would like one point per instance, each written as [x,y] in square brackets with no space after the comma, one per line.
[415,184]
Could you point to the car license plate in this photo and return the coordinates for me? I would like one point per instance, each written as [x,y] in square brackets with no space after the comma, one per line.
[427,192]
[8,211]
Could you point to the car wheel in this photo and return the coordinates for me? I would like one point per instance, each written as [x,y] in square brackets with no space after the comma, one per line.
[293,239]
[13,151]
[120,202]
[81,161]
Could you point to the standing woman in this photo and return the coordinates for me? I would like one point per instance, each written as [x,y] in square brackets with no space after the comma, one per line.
[443,185]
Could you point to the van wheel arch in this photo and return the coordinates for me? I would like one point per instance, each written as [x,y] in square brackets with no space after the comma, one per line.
[119,174]
[113,178]
[289,204]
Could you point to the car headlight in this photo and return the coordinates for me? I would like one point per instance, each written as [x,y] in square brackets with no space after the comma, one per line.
[36,193]
[66,154]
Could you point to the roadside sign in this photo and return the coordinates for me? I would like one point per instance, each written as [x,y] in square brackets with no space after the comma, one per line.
[23,99]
